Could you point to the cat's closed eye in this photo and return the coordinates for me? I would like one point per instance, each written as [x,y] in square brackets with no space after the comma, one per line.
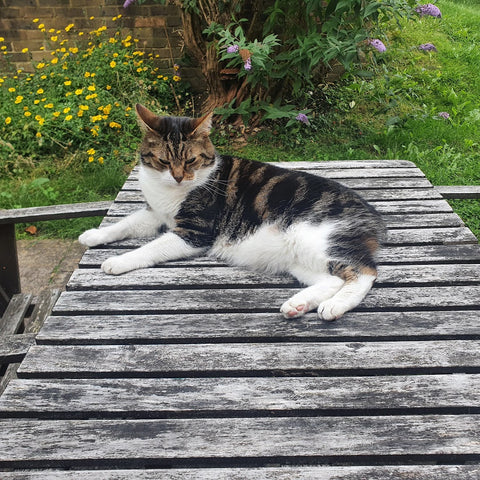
[190,160]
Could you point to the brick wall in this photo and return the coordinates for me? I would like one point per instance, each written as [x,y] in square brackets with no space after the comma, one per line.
[157,27]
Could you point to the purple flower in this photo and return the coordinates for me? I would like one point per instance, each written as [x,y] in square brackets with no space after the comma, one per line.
[378,45]
[301,117]
[444,115]
[429,9]
[233,49]
[427,47]
[248,64]
[128,3]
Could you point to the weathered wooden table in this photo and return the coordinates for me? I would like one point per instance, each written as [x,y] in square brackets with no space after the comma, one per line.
[188,371]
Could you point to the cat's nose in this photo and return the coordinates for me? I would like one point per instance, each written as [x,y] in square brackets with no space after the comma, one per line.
[178,178]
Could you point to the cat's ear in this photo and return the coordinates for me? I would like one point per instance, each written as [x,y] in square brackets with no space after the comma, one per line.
[202,126]
[147,119]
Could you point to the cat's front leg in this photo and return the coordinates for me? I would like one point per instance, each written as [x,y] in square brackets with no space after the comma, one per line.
[143,223]
[167,247]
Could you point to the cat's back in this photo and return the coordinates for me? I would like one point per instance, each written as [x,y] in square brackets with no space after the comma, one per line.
[273,192]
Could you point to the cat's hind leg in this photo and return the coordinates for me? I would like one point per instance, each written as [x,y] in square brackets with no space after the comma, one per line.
[357,283]
[142,223]
[324,286]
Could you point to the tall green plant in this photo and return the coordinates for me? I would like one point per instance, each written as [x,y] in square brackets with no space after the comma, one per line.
[260,56]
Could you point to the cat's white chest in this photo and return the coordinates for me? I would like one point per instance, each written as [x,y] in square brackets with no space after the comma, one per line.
[164,198]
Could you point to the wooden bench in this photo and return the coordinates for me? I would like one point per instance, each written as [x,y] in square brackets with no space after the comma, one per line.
[459,192]
[188,371]
[9,271]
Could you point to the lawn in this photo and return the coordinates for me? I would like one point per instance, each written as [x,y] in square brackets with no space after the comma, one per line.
[390,111]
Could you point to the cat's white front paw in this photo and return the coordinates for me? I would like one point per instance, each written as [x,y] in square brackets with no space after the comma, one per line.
[331,310]
[117,265]
[294,308]
[92,237]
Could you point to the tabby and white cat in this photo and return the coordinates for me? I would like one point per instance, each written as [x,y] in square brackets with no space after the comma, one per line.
[246,213]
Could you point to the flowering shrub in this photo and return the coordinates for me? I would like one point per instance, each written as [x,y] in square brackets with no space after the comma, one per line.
[80,98]
[427,47]
[429,9]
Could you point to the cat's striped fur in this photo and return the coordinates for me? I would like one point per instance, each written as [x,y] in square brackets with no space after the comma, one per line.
[247,213]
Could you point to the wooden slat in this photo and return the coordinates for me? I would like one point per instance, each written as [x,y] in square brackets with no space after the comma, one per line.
[239,327]
[459,191]
[409,236]
[238,358]
[385,194]
[398,255]
[14,347]
[13,316]
[416,472]
[245,300]
[174,397]
[53,212]
[100,441]
[355,183]
[230,277]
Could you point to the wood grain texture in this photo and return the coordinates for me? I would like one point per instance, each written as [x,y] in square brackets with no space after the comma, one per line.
[416,472]
[238,358]
[235,277]
[239,327]
[116,440]
[198,397]
[253,300]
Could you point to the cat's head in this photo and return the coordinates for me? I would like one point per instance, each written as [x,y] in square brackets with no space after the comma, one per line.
[178,146]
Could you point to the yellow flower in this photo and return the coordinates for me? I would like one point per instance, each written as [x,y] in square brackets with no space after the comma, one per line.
[91,159]
[100,160]
[92,18]
[27,114]
[41,25]
[40,91]
[24,50]
[48,105]
[114,125]
[35,20]
[176,78]
[92,95]
[66,109]
[43,77]
[91,88]
[18,99]
[38,134]
[87,74]
[80,113]
[83,107]
[91,151]
[108,87]
[11,89]
[36,102]
[56,114]
[69,27]
[113,64]
[40,65]
[68,118]
[94,131]
[67,83]
[73,50]
[54,38]
[79,91]
[54,60]
[8,120]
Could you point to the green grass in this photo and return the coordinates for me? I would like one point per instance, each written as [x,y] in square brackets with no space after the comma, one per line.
[392,114]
